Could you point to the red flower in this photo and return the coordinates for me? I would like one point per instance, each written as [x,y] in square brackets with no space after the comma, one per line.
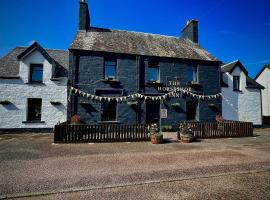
[75,118]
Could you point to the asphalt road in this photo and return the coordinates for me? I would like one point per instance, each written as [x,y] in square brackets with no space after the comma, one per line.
[33,167]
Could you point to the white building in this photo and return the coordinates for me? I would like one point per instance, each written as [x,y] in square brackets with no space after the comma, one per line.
[33,83]
[263,78]
[241,94]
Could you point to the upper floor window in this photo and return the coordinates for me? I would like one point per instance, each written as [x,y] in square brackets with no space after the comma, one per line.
[34,109]
[36,73]
[110,69]
[236,83]
[192,74]
[153,72]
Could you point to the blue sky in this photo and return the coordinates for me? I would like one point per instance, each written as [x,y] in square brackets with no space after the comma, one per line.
[229,29]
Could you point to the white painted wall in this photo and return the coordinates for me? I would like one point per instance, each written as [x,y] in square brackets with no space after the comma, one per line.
[264,80]
[17,91]
[241,106]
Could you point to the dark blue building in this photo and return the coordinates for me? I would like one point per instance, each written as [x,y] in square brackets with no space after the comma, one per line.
[115,64]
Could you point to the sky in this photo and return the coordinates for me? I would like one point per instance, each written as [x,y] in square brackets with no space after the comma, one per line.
[228,29]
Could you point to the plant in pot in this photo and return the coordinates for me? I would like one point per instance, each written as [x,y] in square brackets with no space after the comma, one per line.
[186,134]
[75,120]
[155,136]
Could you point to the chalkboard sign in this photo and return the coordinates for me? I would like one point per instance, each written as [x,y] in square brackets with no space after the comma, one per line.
[163,113]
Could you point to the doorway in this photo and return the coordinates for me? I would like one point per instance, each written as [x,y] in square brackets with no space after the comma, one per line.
[152,111]
[191,110]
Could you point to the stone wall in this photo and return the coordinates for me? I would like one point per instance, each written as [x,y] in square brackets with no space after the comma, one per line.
[264,80]
[88,68]
[243,105]
[17,91]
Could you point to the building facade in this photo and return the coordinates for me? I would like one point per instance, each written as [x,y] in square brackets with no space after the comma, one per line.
[33,92]
[126,73]
[263,78]
[242,94]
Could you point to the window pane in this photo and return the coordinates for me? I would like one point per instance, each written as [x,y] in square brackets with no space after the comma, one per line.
[153,74]
[110,72]
[34,109]
[192,74]
[108,110]
[110,69]
[36,73]
[236,83]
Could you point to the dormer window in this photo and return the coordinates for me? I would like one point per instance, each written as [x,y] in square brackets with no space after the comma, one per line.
[110,69]
[236,83]
[36,73]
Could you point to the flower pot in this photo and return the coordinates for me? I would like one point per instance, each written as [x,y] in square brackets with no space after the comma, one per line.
[156,139]
[186,138]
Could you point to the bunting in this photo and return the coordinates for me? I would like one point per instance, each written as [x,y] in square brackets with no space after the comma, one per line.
[142,96]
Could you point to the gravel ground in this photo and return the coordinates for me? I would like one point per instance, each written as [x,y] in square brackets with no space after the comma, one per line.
[32,165]
[237,186]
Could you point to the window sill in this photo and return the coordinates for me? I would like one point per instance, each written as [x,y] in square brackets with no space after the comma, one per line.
[33,122]
[36,83]
[150,83]
[56,79]
[110,80]
[108,122]
[193,83]
[237,90]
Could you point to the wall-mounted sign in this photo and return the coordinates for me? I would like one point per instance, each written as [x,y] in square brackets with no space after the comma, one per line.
[163,113]
[174,86]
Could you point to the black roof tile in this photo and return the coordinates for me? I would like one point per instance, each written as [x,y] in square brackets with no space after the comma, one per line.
[128,42]
[9,64]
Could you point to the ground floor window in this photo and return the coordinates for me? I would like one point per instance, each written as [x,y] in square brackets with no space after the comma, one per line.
[34,109]
[108,110]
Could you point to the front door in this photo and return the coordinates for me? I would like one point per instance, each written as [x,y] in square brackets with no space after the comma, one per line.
[191,110]
[152,111]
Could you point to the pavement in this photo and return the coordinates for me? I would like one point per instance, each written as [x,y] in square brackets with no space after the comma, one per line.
[33,167]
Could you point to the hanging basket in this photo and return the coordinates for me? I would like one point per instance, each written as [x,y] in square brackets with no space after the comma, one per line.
[55,102]
[176,105]
[4,102]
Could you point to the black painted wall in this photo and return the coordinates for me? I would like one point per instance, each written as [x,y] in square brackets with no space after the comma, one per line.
[86,73]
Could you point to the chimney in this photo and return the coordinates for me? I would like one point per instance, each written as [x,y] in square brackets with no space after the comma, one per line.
[190,31]
[84,16]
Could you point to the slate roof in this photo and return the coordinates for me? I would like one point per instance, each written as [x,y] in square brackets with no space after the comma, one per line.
[265,66]
[128,42]
[250,83]
[230,67]
[9,64]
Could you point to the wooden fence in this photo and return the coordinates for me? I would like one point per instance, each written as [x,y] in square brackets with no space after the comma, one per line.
[101,133]
[219,130]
